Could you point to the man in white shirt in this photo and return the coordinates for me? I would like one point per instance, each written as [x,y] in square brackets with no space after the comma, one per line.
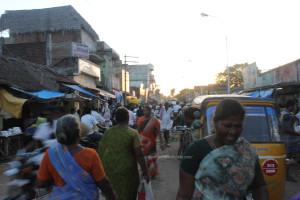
[91,122]
[132,118]
[166,115]
[176,109]
[45,134]
[98,117]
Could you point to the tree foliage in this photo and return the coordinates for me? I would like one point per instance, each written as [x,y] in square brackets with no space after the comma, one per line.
[235,75]
[185,95]
[172,92]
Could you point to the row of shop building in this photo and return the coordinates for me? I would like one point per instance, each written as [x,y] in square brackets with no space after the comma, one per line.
[280,83]
[54,55]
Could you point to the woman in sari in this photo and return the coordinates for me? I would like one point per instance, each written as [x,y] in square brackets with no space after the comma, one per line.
[222,165]
[77,172]
[120,151]
[149,129]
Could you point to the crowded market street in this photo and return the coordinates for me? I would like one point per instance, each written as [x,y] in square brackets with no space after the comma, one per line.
[165,186]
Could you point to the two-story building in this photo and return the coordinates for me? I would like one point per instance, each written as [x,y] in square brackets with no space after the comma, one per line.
[62,39]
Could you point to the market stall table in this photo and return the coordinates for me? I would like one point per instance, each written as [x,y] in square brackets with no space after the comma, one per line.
[10,143]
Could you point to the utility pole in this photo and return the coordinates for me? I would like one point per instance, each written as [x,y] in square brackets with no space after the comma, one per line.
[126,69]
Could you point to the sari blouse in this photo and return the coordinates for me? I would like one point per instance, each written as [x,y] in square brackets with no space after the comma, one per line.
[88,159]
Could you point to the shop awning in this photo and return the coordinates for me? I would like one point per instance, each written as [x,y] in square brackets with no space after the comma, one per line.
[107,94]
[45,94]
[262,93]
[10,103]
[102,92]
[75,87]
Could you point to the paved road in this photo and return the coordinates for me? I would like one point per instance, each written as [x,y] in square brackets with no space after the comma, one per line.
[165,186]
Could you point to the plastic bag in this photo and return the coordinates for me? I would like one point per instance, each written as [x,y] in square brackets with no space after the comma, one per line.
[145,191]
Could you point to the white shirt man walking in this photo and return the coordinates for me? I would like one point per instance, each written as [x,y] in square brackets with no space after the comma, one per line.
[166,115]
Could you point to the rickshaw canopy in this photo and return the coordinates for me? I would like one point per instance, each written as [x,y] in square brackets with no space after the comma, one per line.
[201,101]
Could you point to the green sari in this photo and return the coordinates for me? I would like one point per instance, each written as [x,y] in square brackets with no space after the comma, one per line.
[116,150]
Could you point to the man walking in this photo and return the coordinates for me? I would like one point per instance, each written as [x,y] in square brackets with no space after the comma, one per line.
[166,115]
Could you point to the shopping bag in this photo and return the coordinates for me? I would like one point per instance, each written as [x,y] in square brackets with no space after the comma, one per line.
[141,195]
[148,190]
[145,191]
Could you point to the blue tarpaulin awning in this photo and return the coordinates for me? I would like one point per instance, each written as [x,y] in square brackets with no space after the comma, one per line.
[45,94]
[263,93]
[75,87]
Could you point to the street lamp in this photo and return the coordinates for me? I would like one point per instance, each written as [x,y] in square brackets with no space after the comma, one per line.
[228,82]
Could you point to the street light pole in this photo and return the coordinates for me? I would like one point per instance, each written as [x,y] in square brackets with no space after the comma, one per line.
[228,81]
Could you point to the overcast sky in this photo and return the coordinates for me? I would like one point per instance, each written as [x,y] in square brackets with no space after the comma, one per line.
[185,48]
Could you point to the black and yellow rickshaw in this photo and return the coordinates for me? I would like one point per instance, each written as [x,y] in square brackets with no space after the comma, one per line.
[261,128]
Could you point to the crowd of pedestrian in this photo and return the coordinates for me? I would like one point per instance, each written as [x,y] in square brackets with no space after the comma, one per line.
[128,136]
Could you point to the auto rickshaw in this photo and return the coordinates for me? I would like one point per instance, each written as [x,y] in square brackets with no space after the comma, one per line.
[261,128]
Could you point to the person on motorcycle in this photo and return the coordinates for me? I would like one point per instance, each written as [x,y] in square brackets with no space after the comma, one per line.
[45,133]
[91,122]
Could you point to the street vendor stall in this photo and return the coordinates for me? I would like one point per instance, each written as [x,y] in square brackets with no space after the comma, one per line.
[10,141]
[10,107]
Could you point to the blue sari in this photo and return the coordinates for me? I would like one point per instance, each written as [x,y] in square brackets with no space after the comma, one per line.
[79,183]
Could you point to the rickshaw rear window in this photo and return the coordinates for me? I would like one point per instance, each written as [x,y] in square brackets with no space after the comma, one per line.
[261,124]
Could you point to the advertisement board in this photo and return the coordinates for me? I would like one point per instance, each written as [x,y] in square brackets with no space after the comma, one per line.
[79,50]
[250,76]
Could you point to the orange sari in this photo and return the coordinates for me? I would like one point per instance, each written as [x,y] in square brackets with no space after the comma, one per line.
[148,130]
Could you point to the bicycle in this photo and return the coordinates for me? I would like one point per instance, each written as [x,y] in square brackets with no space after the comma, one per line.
[185,139]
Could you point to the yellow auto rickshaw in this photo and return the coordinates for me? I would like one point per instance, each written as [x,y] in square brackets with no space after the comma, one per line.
[261,128]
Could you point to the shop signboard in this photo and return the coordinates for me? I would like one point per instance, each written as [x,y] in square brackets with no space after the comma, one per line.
[287,73]
[250,76]
[79,50]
